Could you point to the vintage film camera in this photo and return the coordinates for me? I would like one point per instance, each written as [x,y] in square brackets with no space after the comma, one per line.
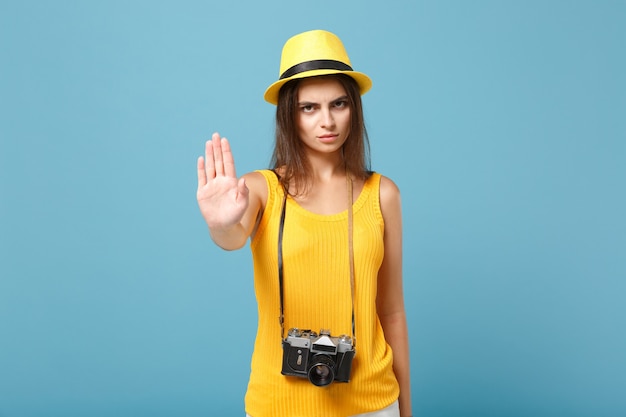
[320,358]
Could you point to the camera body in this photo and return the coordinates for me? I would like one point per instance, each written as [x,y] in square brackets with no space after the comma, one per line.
[320,358]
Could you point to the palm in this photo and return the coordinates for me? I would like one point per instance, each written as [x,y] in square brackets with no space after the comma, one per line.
[222,198]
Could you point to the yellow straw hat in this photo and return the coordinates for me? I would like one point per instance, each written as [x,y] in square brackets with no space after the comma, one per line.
[313,53]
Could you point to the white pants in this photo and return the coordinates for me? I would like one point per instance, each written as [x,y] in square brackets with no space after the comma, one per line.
[392,411]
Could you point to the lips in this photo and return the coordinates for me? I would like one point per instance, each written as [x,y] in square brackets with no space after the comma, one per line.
[328,138]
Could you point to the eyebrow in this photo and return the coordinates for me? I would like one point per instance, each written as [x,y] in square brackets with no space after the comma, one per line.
[310,103]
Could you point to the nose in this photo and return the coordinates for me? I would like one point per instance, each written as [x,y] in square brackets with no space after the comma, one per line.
[328,121]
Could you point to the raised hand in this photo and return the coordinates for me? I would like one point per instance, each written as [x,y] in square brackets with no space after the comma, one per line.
[222,198]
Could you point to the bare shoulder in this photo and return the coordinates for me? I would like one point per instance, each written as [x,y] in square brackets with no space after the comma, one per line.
[389,196]
[255,180]
[257,186]
[257,199]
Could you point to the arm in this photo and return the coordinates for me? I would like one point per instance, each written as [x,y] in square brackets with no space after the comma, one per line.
[390,298]
[229,206]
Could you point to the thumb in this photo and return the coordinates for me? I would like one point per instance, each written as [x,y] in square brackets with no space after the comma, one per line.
[242,188]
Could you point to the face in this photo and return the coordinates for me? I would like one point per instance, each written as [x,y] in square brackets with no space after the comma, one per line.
[323,114]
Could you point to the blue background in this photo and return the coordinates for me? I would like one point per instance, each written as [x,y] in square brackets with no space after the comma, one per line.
[502,122]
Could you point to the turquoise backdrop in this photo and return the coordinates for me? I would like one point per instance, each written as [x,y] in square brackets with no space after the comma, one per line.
[503,123]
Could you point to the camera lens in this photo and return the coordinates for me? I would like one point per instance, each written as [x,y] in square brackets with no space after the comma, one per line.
[322,370]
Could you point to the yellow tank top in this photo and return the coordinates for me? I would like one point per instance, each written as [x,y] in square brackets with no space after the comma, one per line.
[317,295]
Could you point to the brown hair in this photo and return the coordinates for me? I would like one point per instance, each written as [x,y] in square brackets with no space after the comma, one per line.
[289,152]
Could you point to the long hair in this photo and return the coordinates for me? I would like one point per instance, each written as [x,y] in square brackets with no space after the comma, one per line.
[289,151]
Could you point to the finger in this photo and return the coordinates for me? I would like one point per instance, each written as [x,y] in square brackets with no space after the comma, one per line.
[218,160]
[201,173]
[242,188]
[229,161]
[209,161]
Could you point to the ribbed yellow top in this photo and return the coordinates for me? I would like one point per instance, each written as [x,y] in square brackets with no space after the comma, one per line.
[317,296]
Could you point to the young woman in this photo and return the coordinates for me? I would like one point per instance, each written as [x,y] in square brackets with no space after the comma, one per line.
[326,240]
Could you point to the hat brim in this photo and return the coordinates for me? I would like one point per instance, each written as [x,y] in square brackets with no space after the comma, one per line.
[364,82]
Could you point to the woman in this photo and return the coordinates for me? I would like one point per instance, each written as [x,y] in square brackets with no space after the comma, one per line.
[326,240]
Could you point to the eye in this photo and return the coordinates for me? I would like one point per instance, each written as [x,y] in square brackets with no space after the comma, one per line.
[341,104]
[307,108]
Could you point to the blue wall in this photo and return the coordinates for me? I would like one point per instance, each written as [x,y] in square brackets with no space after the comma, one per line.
[502,122]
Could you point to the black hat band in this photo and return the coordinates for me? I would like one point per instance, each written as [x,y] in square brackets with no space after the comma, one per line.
[316,64]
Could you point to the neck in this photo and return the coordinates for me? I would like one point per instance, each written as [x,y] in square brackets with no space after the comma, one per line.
[326,168]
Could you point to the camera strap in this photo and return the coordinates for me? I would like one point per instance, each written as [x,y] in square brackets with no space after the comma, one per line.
[350,249]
